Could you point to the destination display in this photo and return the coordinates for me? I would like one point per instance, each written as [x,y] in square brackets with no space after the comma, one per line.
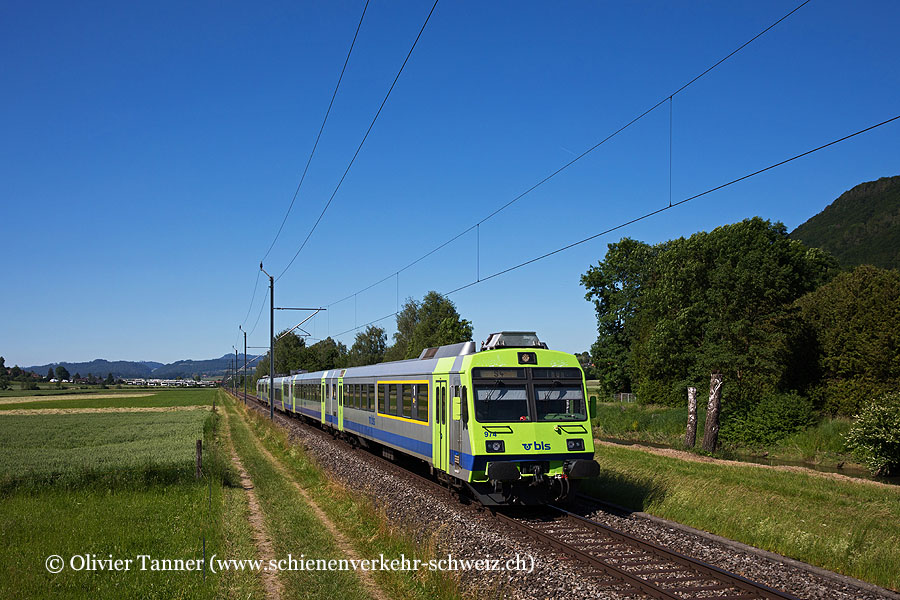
[498,373]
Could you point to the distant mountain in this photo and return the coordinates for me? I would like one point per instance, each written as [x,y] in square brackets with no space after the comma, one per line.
[146,369]
[100,368]
[861,227]
[187,368]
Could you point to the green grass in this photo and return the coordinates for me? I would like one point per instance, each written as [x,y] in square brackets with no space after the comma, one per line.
[198,397]
[644,423]
[78,449]
[140,516]
[293,527]
[50,389]
[821,444]
[370,531]
[848,527]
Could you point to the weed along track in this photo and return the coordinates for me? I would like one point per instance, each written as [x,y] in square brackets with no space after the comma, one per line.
[574,556]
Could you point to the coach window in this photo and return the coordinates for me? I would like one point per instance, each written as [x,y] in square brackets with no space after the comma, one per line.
[357,395]
[422,402]
[406,392]
[382,398]
[392,399]
[371,396]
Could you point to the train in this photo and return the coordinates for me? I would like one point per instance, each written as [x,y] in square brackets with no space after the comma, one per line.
[508,424]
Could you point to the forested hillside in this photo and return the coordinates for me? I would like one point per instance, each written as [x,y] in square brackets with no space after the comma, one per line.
[861,227]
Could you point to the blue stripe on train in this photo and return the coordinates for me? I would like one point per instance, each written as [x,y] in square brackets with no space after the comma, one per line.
[416,446]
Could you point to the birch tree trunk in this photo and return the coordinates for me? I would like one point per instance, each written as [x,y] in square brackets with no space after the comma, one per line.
[690,436]
[711,431]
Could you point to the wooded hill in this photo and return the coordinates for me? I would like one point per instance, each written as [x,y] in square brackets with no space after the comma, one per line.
[861,227]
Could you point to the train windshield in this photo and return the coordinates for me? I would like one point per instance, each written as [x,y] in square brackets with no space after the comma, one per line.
[545,395]
[560,402]
[501,402]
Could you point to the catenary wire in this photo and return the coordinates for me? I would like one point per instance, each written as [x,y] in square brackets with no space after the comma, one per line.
[644,216]
[355,154]
[667,98]
[321,129]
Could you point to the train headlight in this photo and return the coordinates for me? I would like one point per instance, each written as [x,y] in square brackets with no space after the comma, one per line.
[494,446]
[575,445]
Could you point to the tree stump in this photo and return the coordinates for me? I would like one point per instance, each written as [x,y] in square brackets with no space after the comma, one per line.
[690,436]
[711,431]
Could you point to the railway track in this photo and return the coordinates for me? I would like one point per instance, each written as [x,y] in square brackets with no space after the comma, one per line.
[643,566]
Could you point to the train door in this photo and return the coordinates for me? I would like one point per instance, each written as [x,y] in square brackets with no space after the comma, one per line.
[340,416]
[454,426]
[323,393]
[440,423]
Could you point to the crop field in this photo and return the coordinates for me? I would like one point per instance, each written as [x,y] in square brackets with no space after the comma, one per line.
[159,399]
[110,483]
[69,449]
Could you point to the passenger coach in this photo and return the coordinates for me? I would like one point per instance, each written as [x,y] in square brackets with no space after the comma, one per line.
[509,422]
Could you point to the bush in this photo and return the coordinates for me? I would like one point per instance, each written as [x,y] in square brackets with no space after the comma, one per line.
[773,418]
[875,435]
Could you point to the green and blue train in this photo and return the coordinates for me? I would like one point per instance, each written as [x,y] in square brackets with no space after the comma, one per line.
[509,422]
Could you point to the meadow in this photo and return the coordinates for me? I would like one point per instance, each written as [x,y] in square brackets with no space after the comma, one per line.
[821,444]
[137,399]
[119,484]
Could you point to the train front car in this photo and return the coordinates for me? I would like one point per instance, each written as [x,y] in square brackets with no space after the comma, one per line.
[530,429]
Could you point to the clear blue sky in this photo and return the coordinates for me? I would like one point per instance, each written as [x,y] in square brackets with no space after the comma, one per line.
[149,152]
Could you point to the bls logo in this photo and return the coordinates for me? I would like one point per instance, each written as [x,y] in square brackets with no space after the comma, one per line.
[537,446]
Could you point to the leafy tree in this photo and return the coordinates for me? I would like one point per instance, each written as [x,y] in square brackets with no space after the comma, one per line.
[438,324]
[407,320]
[49,373]
[855,320]
[4,376]
[670,314]
[326,354]
[16,373]
[61,372]
[109,379]
[77,376]
[368,347]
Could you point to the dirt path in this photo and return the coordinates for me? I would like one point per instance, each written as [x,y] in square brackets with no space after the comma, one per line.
[264,548]
[342,542]
[19,399]
[112,409]
[690,456]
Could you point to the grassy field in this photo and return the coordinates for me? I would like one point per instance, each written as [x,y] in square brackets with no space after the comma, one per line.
[821,444]
[73,450]
[49,389]
[115,484]
[845,526]
[184,397]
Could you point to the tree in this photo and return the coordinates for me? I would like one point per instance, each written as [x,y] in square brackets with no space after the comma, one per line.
[61,372]
[77,376]
[109,379]
[407,320]
[368,347]
[49,373]
[4,376]
[671,314]
[438,324]
[855,322]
